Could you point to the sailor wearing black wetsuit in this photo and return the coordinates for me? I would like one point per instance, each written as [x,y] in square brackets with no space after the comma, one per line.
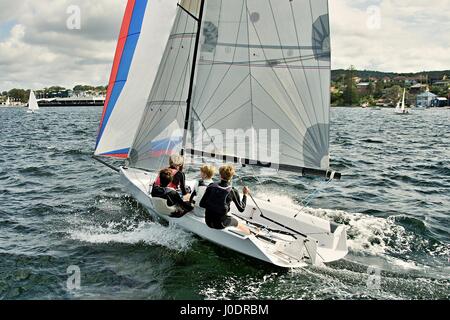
[222,194]
[179,179]
[217,201]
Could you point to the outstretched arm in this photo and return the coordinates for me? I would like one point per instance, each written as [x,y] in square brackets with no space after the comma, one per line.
[236,198]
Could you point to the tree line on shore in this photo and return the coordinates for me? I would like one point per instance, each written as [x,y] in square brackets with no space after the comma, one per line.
[21,95]
[385,87]
[381,86]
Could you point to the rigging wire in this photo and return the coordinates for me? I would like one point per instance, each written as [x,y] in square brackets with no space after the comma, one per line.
[305,202]
[299,233]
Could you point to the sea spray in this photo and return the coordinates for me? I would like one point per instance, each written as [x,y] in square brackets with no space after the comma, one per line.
[149,233]
[368,235]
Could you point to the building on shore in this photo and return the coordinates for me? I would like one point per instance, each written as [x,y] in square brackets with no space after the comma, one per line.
[42,94]
[442,84]
[418,88]
[425,99]
[439,102]
[363,87]
[88,101]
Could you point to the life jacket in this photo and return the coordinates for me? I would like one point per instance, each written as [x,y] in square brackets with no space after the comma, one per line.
[201,189]
[171,185]
[217,200]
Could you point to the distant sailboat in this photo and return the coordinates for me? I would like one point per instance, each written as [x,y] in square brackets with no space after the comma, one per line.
[227,65]
[401,108]
[32,103]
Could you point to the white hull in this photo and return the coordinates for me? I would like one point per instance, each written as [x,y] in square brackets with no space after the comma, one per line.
[328,241]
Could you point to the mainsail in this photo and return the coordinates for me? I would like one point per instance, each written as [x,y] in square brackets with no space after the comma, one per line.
[32,102]
[262,69]
[265,65]
[138,53]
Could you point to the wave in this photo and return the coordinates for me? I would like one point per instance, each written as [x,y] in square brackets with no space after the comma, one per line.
[80,132]
[76,152]
[149,233]
[36,171]
[117,218]
[373,141]
[375,236]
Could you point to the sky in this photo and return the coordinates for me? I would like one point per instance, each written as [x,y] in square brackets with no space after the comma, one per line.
[38,49]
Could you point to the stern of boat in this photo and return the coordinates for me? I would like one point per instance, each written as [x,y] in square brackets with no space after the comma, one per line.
[338,248]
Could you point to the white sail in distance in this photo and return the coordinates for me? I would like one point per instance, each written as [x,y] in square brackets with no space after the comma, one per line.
[403,100]
[32,102]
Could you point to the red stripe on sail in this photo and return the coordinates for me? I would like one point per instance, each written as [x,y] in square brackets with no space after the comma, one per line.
[119,155]
[118,55]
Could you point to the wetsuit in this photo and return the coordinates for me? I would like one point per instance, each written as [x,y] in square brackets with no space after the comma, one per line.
[173,199]
[216,216]
[179,179]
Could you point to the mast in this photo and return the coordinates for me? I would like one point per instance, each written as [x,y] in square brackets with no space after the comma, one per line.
[194,64]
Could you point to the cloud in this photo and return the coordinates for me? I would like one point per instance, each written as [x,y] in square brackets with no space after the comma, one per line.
[38,50]
[391,35]
[41,51]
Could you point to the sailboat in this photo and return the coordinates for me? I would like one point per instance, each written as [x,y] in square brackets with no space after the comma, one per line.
[401,108]
[32,103]
[251,67]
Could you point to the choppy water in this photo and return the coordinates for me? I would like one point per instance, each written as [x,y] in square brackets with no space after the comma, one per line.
[59,208]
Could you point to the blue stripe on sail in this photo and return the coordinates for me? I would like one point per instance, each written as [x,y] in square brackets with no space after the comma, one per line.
[127,57]
[165,146]
[138,16]
[126,60]
[117,152]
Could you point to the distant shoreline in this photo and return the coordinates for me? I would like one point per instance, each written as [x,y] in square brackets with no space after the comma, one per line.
[44,107]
